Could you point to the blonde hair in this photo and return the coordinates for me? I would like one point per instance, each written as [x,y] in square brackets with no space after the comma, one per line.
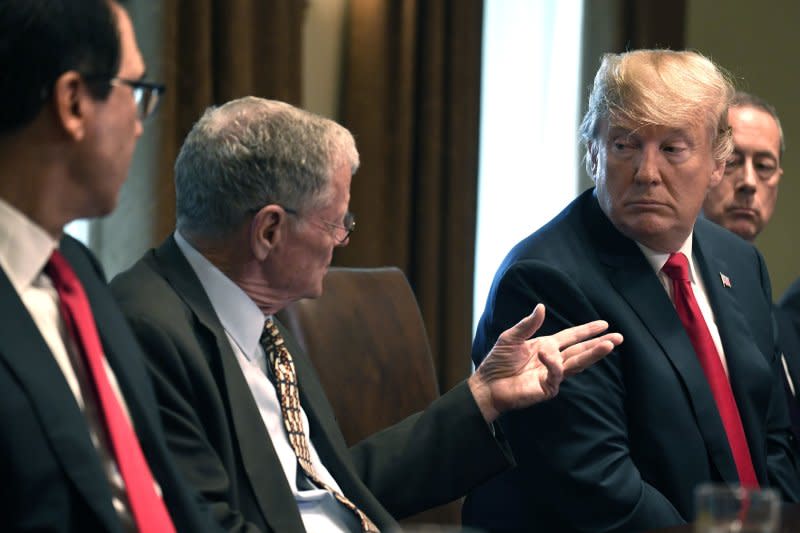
[663,88]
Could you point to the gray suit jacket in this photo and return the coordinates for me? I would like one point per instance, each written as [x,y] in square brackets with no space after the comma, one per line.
[215,430]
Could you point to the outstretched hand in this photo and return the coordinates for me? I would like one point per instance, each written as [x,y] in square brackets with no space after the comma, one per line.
[521,371]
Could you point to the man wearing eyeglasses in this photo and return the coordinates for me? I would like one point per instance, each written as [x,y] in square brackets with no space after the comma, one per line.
[262,194]
[744,202]
[82,448]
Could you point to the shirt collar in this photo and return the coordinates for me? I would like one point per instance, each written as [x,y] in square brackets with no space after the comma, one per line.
[25,247]
[238,313]
[658,259]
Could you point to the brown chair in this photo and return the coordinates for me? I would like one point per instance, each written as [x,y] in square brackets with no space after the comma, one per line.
[366,338]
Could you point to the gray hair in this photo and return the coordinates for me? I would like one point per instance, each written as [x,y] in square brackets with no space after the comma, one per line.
[252,152]
[745,99]
[662,88]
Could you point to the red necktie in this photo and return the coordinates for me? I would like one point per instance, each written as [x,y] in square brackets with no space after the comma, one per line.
[677,268]
[147,507]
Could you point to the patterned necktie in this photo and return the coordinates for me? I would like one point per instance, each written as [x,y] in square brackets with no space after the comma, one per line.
[286,387]
[148,509]
[677,268]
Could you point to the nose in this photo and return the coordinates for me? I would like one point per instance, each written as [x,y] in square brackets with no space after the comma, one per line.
[746,178]
[646,165]
[343,243]
[139,128]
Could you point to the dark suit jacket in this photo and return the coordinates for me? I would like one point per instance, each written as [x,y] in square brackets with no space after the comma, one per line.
[787,318]
[627,440]
[215,429]
[52,478]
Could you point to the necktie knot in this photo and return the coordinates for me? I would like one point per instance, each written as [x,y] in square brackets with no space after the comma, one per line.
[677,267]
[61,273]
[270,335]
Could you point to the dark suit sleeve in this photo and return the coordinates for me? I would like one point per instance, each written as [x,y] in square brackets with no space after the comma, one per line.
[573,451]
[432,457]
[781,456]
[181,389]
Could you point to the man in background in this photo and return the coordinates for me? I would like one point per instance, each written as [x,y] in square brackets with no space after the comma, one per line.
[744,202]
[693,394]
[82,448]
[262,192]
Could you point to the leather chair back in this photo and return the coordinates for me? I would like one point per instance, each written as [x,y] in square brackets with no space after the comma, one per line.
[366,338]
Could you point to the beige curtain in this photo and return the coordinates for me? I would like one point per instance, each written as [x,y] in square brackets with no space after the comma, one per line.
[411,95]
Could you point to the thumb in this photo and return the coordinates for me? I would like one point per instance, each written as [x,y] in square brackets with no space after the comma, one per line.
[525,328]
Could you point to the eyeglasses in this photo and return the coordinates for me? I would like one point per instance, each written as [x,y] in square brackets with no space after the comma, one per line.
[764,165]
[340,231]
[145,94]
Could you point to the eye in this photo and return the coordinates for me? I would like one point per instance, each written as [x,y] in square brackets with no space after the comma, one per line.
[675,148]
[621,145]
[733,164]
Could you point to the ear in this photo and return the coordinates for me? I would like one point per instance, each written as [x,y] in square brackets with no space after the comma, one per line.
[267,229]
[591,154]
[716,173]
[71,100]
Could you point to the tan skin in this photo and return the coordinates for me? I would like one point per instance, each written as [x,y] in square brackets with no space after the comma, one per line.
[276,259]
[744,202]
[651,180]
[72,159]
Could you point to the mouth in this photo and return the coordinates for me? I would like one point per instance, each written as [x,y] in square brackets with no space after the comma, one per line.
[645,204]
[742,212]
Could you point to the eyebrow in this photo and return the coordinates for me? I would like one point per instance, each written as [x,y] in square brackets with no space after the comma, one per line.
[757,153]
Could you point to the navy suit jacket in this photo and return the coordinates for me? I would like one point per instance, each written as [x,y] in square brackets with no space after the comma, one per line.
[52,477]
[624,444]
[218,436]
[787,318]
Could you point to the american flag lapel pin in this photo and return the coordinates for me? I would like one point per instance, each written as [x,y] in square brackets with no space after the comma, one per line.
[726,281]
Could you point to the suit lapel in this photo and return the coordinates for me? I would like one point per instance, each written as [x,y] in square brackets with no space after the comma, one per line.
[634,279]
[746,368]
[261,463]
[29,358]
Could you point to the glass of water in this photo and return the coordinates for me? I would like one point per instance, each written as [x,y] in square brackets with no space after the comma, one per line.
[735,509]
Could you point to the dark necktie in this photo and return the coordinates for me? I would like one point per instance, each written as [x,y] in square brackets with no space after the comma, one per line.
[677,268]
[147,507]
[286,386]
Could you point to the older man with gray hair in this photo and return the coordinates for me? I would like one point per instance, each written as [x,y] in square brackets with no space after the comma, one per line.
[693,395]
[262,202]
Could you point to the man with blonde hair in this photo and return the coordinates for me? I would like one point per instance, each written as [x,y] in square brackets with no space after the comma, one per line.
[693,395]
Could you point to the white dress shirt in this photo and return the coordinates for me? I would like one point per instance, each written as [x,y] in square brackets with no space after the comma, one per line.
[657,261]
[243,323]
[25,249]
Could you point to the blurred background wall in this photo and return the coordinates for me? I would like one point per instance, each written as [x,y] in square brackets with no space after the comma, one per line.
[758,43]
